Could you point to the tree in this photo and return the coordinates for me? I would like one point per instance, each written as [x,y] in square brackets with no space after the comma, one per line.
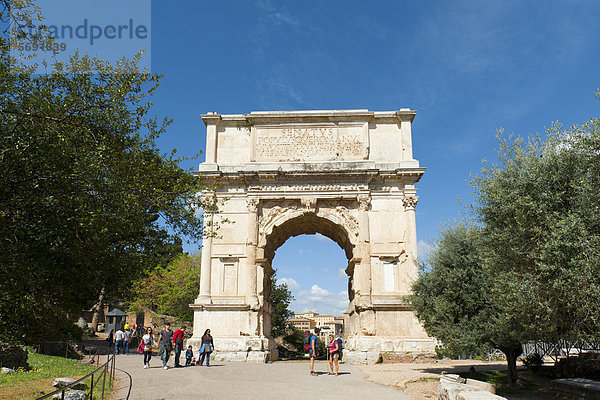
[171,289]
[87,202]
[540,212]
[455,298]
[281,297]
[537,250]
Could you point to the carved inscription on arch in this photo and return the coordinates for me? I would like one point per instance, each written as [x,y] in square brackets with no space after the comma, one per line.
[312,143]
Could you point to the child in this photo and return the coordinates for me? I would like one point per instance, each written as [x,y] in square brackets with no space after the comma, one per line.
[189,356]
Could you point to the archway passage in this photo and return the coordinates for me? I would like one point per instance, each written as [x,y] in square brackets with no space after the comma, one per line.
[313,269]
[311,223]
[348,175]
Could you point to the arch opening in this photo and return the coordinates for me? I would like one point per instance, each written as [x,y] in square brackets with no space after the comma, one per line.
[310,224]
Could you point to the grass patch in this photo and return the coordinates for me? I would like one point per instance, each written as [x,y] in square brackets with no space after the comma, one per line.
[26,385]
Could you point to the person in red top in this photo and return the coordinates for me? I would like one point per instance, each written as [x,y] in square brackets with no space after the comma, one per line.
[178,344]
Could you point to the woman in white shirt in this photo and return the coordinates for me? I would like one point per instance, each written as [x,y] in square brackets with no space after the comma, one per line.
[148,341]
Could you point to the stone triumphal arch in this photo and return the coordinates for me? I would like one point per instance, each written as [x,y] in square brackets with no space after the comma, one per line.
[348,175]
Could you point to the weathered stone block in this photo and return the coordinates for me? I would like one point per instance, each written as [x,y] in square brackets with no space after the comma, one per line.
[64,382]
[387,345]
[585,388]
[488,387]
[373,357]
[355,357]
[257,356]
[478,395]
[255,345]
[450,388]
[71,395]
[13,356]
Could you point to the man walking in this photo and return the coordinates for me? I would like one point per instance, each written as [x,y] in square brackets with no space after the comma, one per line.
[178,343]
[126,340]
[313,352]
[119,340]
[165,344]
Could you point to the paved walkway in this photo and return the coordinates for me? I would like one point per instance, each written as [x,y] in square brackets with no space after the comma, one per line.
[223,381]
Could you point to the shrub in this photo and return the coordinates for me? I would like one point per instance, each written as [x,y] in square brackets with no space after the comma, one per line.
[533,361]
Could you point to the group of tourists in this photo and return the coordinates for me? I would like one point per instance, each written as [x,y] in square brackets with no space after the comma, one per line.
[333,349]
[167,341]
[120,339]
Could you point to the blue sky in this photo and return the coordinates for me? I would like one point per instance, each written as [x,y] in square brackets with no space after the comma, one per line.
[468,67]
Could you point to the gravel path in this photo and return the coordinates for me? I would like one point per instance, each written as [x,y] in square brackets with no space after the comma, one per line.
[223,381]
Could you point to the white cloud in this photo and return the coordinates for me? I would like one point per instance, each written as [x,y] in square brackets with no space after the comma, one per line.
[322,300]
[423,248]
[323,238]
[290,282]
[342,274]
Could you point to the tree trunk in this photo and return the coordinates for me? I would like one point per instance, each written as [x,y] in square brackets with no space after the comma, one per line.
[512,352]
[97,309]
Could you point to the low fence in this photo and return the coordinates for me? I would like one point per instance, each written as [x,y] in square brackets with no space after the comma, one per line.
[96,378]
[68,349]
[562,348]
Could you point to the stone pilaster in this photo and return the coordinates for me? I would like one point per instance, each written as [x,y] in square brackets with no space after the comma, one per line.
[251,292]
[206,266]
[409,201]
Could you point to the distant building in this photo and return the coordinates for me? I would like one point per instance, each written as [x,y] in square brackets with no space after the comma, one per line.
[307,314]
[304,324]
[309,320]
[323,319]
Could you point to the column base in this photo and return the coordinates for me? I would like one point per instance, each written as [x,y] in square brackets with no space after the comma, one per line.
[240,349]
[370,350]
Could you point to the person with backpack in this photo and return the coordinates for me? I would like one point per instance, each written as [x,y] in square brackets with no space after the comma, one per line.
[340,347]
[334,355]
[165,344]
[313,352]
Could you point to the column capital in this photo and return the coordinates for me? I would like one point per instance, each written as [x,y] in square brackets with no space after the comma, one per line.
[252,205]
[410,202]
[364,201]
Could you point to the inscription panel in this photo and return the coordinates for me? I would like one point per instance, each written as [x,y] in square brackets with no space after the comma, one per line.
[311,143]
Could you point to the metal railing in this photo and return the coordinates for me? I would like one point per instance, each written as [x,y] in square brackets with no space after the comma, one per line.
[562,348]
[101,373]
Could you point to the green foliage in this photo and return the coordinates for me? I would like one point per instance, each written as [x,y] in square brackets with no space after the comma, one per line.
[170,289]
[86,199]
[530,271]
[295,338]
[281,297]
[540,209]
[533,361]
[451,297]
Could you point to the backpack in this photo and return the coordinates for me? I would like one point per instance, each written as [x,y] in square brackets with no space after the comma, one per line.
[339,343]
[307,336]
